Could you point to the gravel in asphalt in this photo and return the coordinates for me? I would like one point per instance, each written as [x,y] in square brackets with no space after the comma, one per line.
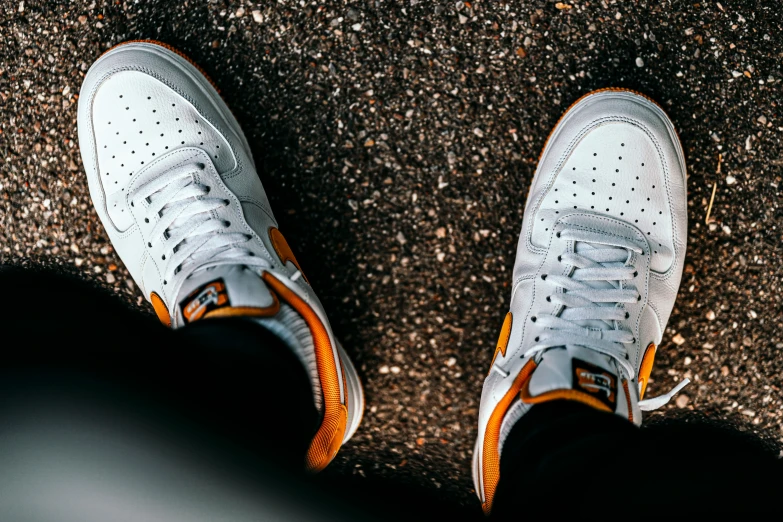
[397,141]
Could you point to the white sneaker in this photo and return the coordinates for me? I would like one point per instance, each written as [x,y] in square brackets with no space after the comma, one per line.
[172,178]
[598,266]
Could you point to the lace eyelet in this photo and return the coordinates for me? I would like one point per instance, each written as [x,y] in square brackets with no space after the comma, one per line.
[163,258]
[146,220]
[533,318]
[227,224]
[639,298]
[558,234]
[536,339]
[635,274]
[149,244]
[627,315]
[559,259]
[543,277]
[549,299]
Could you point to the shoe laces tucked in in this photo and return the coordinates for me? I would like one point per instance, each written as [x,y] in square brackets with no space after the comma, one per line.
[194,236]
[591,303]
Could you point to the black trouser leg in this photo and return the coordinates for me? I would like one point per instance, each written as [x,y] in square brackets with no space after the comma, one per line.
[567,459]
[106,414]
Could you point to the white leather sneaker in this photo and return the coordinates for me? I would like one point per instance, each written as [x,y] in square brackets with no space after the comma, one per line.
[173,181]
[598,267]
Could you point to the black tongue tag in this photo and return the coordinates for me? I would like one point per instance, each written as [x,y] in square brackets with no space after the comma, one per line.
[596,382]
[204,299]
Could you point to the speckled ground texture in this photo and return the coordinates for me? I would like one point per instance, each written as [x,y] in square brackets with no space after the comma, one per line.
[397,141]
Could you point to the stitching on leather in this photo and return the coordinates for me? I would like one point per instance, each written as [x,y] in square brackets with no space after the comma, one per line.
[218,127]
[514,353]
[557,170]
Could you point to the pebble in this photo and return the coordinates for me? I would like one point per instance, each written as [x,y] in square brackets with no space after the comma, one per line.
[639,62]
[682,400]
[678,339]
[257,16]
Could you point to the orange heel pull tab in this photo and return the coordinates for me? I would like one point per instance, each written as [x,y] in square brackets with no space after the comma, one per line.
[329,437]
[161,310]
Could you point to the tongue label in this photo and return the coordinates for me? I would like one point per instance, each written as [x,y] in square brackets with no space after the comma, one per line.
[595,382]
[208,297]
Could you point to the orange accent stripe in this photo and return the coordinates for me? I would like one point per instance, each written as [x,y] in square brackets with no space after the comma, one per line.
[646,368]
[505,334]
[329,436]
[628,400]
[490,455]
[161,310]
[569,395]
[283,250]
[172,49]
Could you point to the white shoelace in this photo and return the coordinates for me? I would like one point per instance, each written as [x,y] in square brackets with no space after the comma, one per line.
[195,238]
[593,303]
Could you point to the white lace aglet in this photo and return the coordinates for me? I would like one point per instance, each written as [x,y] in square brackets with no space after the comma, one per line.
[296,276]
[662,400]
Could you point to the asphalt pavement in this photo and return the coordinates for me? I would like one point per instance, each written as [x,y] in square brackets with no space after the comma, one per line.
[397,141]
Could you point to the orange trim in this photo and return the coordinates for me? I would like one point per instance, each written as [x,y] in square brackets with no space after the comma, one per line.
[174,50]
[605,89]
[329,436]
[505,334]
[628,400]
[245,311]
[569,395]
[646,368]
[161,310]
[283,250]
[490,455]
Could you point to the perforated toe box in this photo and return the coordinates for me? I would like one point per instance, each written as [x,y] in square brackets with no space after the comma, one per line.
[615,154]
[137,119]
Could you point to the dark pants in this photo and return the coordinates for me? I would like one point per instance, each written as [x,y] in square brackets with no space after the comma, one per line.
[107,415]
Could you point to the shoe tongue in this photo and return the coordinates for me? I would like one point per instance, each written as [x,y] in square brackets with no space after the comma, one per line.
[223,290]
[579,369]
